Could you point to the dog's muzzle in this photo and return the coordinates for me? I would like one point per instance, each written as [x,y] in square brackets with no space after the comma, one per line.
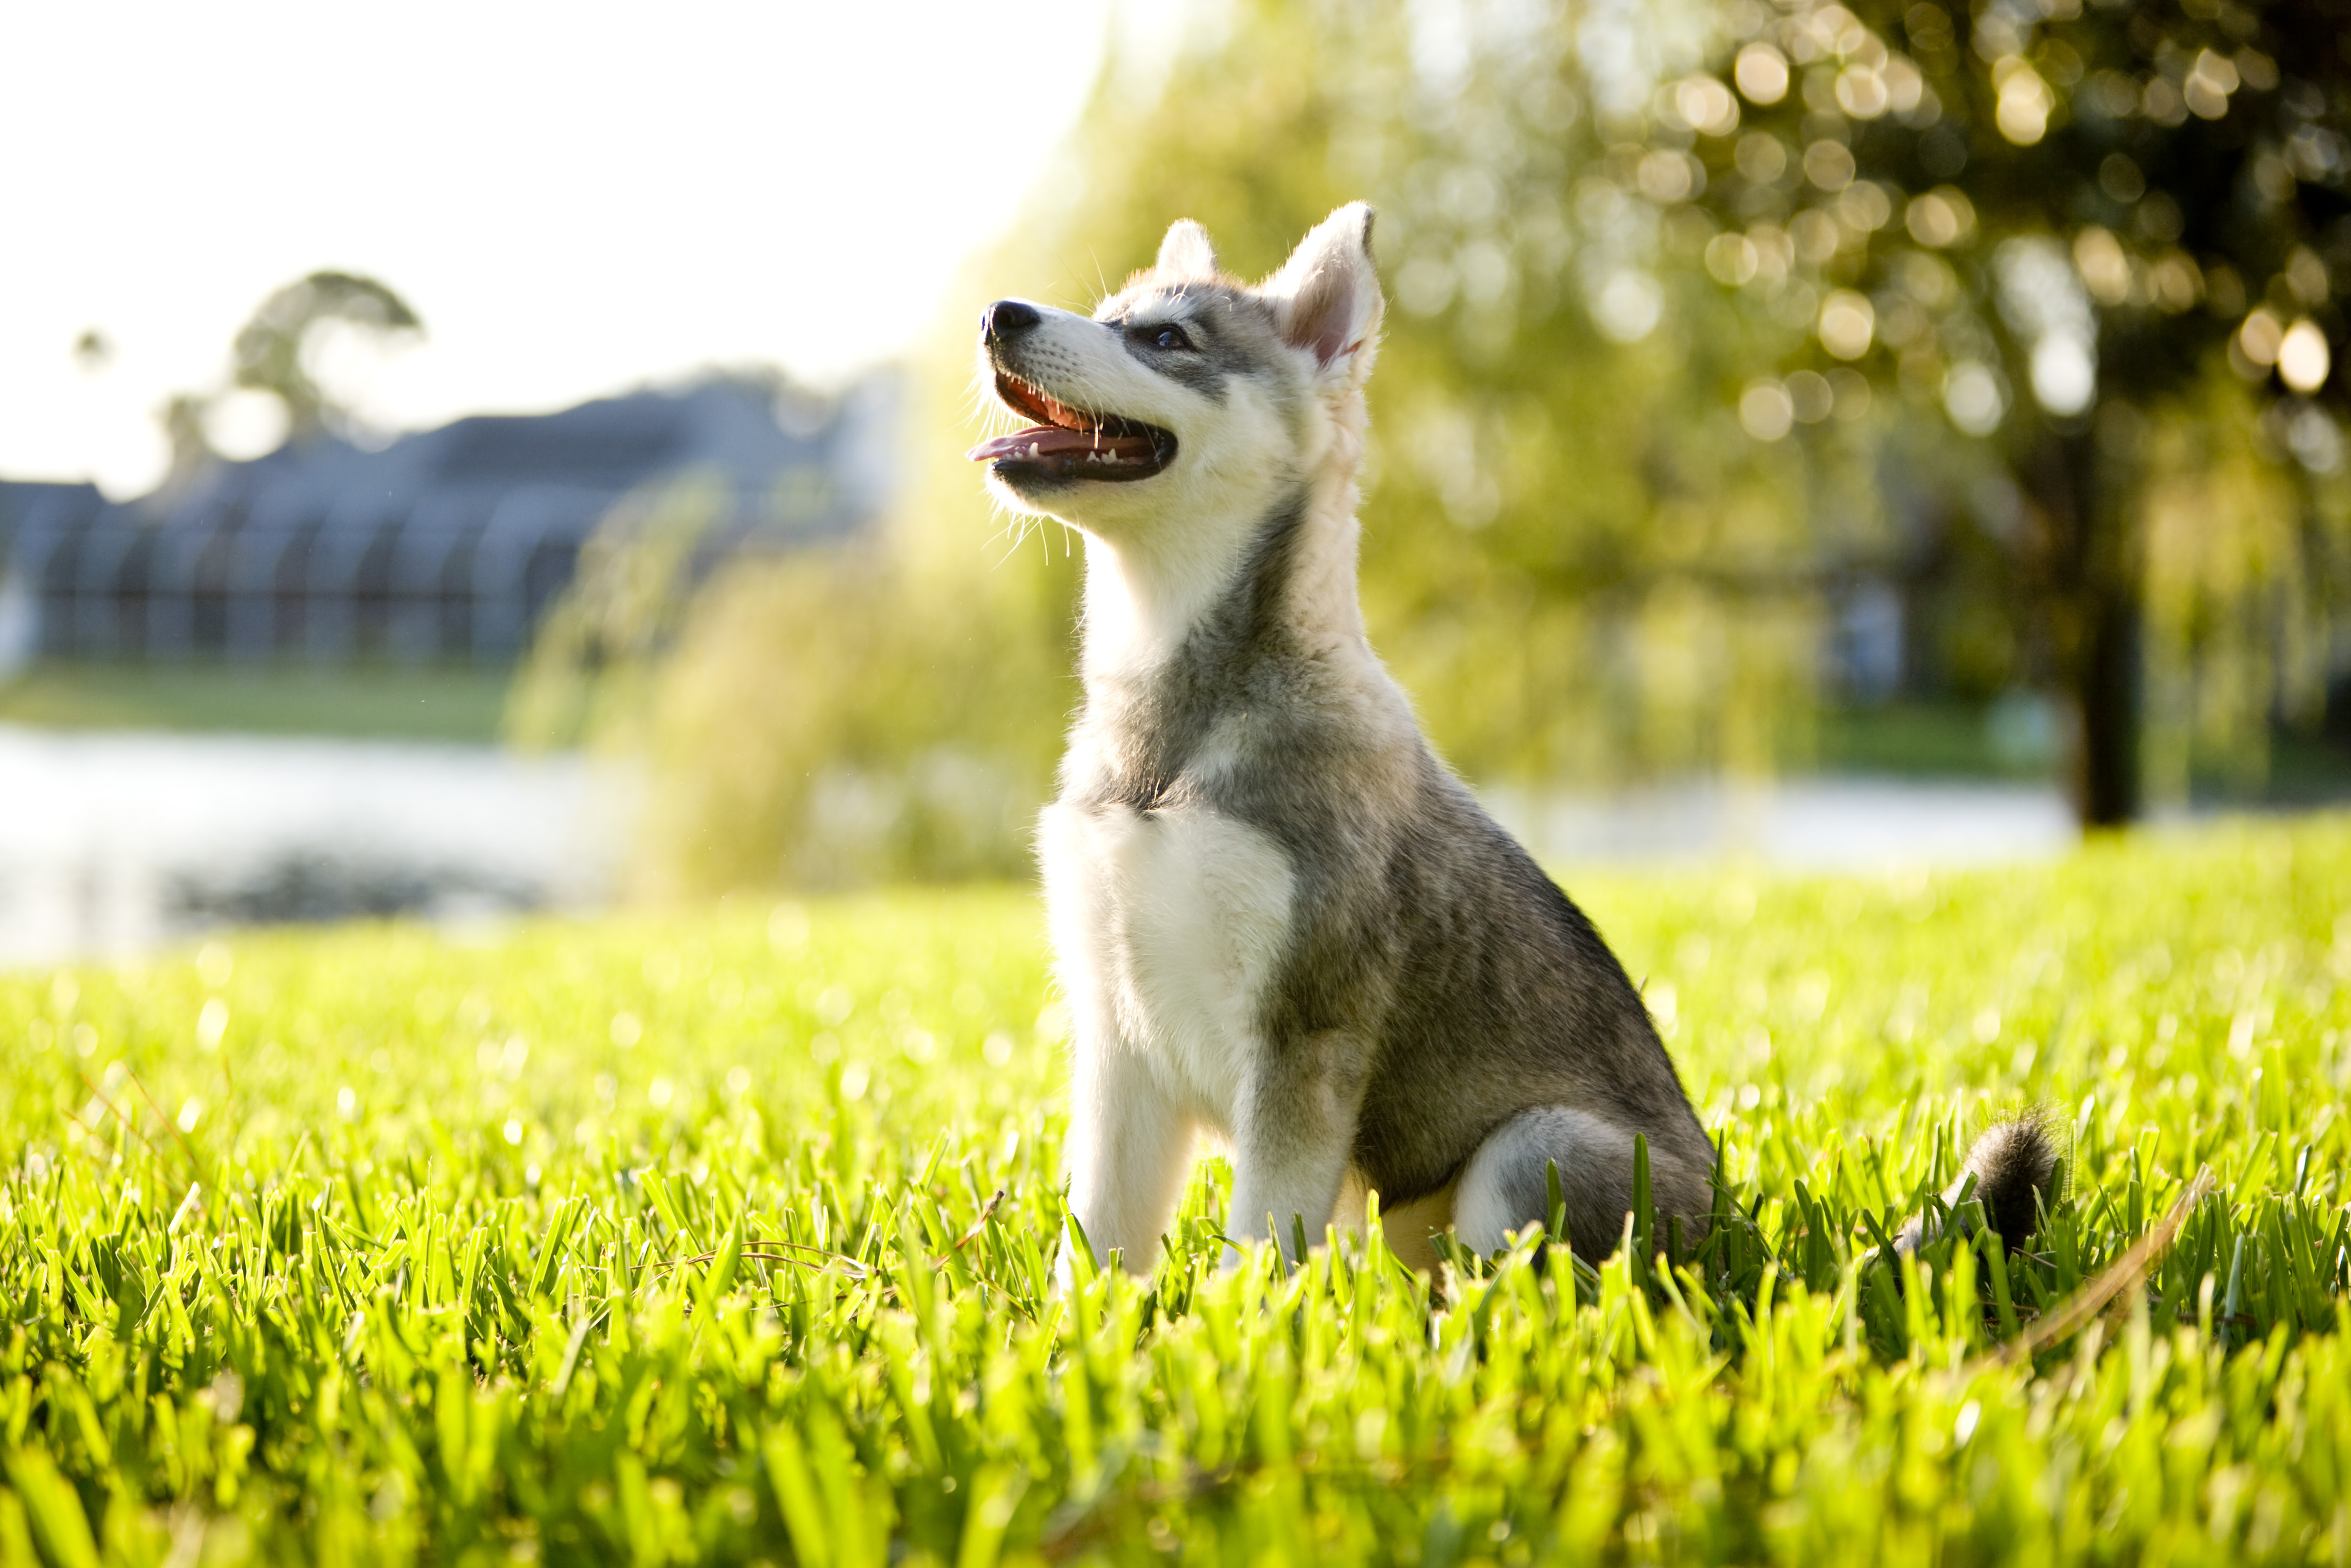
[1065,443]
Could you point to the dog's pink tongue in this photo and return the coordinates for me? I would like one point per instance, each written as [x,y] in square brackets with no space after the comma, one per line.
[1051,441]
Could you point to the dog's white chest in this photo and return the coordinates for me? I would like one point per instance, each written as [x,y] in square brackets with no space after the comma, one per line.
[1167,926]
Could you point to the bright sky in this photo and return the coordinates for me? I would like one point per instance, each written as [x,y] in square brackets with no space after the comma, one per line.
[575,197]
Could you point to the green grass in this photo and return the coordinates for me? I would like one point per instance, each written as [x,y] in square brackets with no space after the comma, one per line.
[674,1239]
[368,701]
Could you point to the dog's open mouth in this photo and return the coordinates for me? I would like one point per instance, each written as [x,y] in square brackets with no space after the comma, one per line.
[1071,444]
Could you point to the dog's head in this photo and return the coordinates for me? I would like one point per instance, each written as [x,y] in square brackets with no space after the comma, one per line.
[1187,389]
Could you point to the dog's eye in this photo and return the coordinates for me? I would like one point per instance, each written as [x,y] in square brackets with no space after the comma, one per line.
[1170,338]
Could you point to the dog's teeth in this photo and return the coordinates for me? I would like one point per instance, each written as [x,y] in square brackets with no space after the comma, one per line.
[1032,449]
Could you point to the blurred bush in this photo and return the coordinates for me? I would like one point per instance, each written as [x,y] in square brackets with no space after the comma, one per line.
[826,718]
[825,721]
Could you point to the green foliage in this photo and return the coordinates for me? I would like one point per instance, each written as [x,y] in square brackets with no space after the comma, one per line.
[2243,584]
[680,1239]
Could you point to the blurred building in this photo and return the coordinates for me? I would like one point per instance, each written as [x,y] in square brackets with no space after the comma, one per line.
[449,544]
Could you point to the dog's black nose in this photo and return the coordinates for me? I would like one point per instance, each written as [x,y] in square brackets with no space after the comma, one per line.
[1006,318]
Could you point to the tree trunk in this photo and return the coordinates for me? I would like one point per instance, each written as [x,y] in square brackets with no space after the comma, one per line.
[2102,754]
[2082,580]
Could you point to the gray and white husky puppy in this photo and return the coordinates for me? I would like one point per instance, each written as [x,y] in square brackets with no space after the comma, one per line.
[1276,914]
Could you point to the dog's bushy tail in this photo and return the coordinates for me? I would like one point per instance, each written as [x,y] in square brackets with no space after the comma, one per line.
[2020,1170]
[2018,1166]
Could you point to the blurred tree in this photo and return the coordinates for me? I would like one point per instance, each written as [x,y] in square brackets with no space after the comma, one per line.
[276,350]
[276,353]
[2055,220]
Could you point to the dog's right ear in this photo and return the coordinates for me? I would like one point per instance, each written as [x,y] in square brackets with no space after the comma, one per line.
[1186,252]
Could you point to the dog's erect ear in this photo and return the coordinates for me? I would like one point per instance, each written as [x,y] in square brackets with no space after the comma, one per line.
[1186,252]
[1327,293]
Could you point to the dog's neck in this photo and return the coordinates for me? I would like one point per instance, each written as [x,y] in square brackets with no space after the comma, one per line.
[1148,593]
[1145,599]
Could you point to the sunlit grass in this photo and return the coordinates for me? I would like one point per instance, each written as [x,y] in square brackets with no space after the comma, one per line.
[679,1238]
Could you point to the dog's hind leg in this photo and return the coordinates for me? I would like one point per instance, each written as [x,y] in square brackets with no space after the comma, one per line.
[1507,1182]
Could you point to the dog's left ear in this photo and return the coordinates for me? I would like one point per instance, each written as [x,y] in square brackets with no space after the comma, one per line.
[1327,295]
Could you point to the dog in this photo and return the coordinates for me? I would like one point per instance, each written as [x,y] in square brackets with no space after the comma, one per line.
[1276,914]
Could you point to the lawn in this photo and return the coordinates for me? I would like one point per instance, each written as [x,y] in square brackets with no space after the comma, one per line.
[727,1234]
[375,701]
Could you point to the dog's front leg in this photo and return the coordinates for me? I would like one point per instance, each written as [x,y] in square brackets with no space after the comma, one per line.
[1292,1144]
[1129,1152]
